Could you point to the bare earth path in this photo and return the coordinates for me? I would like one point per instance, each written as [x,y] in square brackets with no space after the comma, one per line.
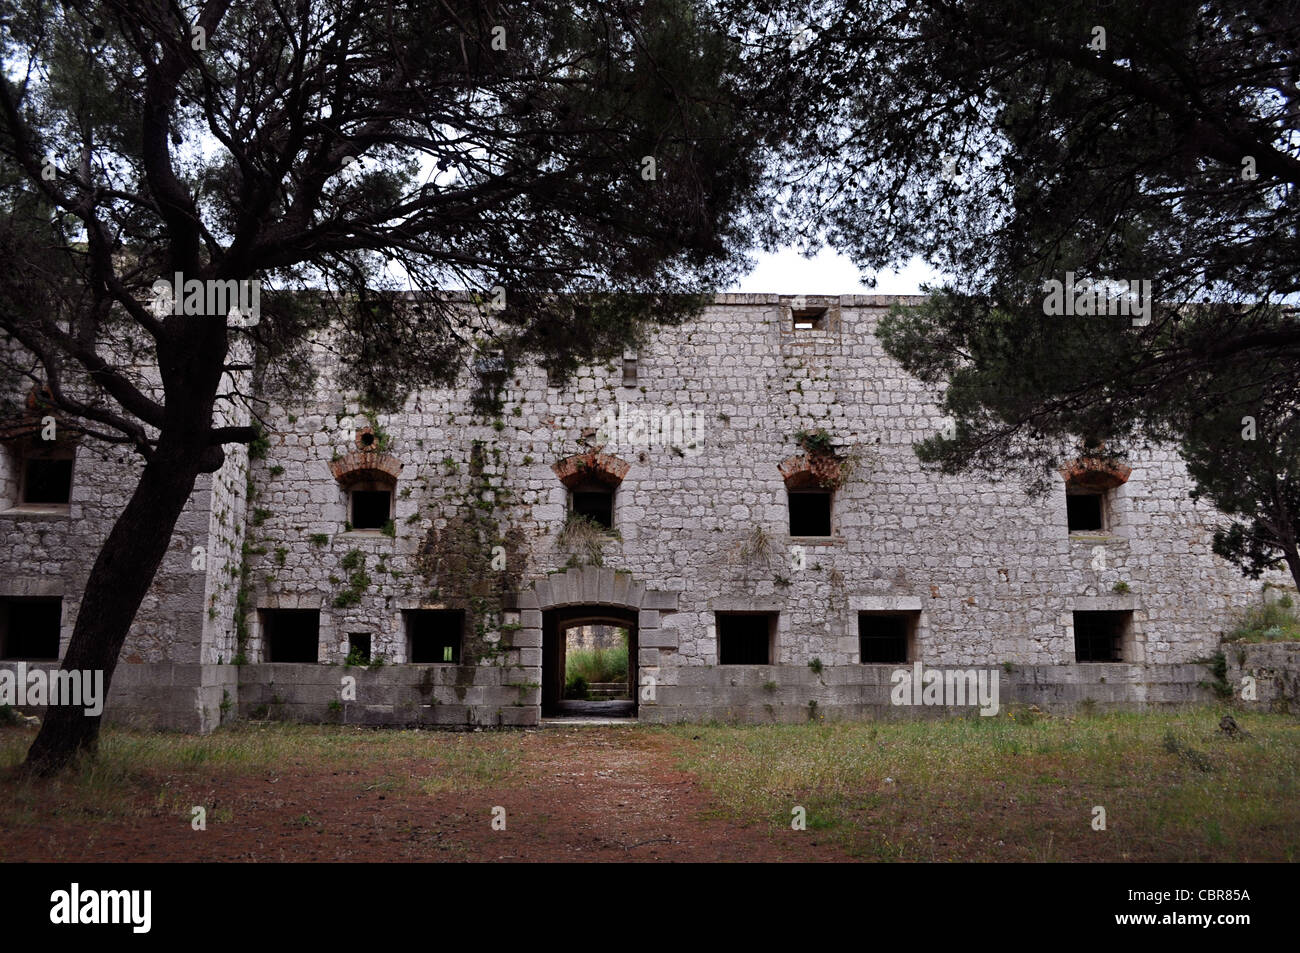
[573,794]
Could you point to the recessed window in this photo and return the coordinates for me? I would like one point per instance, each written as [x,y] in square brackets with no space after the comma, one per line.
[746,638]
[46,479]
[1100,636]
[434,635]
[359,646]
[1085,511]
[885,637]
[629,369]
[371,509]
[810,512]
[29,629]
[809,319]
[291,635]
[595,501]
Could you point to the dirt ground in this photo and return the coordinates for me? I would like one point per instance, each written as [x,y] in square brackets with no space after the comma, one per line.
[582,794]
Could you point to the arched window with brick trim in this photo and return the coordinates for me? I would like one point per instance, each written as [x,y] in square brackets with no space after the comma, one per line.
[1089,493]
[592,479]
[369,477]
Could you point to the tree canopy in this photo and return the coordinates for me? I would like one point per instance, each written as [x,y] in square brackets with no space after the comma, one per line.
[585,169]
[1013,144]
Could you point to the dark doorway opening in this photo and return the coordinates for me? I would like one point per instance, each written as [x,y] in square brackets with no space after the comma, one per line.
[1100,636]
[434,635]
[291,635]
[746,638]
[568,631]
[884,638]
[29,629]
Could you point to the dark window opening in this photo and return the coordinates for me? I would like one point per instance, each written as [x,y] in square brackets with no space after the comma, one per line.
[29,629]
[629,371]
[746,638]
[810,512]
[883,637]
[371,508]
[359,646]
[596,504]
[1099,636]
[1084,512]
[434,635]
[809,319]
[291,635]
[47,480]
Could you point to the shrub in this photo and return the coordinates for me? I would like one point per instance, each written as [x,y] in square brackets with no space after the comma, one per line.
[596,665]
[1268,622]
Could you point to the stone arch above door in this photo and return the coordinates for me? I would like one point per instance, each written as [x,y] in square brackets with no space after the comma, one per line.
[597,586]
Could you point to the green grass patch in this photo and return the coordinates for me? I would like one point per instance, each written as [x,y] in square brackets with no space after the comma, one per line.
[1003,788]
[1272,622]
[596,665]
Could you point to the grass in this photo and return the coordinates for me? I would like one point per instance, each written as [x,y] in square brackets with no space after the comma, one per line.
[596,665]
[1010,789]
[124,780]
[1271,622]
[1020,786]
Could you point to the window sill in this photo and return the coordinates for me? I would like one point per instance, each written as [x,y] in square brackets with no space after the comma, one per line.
[48,511]
[816,540]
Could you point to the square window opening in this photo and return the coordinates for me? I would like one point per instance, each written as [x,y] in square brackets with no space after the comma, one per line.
[594,502]
[1100,636]
[886,638]
[434,636]
[810,512]
[29,629]
[359,646]
[47,480]
[746,638]
[371,509]
[291,635]
[1085,512]
[809,319]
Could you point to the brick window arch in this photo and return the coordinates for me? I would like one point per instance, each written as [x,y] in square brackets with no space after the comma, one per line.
[1090,483]
[811,480]
[592,479]
[369,478]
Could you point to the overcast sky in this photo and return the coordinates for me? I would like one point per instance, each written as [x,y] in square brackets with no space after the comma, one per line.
[830,273]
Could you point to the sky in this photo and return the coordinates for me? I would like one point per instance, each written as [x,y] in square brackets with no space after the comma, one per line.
[829,273]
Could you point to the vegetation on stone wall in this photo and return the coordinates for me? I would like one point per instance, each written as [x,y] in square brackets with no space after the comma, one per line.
[1268,622]
[471,561]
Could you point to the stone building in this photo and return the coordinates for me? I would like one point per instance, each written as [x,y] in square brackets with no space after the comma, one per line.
[741,495]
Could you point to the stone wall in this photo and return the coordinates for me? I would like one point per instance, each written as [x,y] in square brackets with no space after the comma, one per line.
[990,573]
[1264,676]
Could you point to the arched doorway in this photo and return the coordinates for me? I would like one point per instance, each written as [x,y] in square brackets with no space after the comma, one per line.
[598,595]
[569,689]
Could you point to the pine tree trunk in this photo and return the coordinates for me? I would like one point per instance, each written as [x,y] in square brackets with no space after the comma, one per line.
[117,585]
